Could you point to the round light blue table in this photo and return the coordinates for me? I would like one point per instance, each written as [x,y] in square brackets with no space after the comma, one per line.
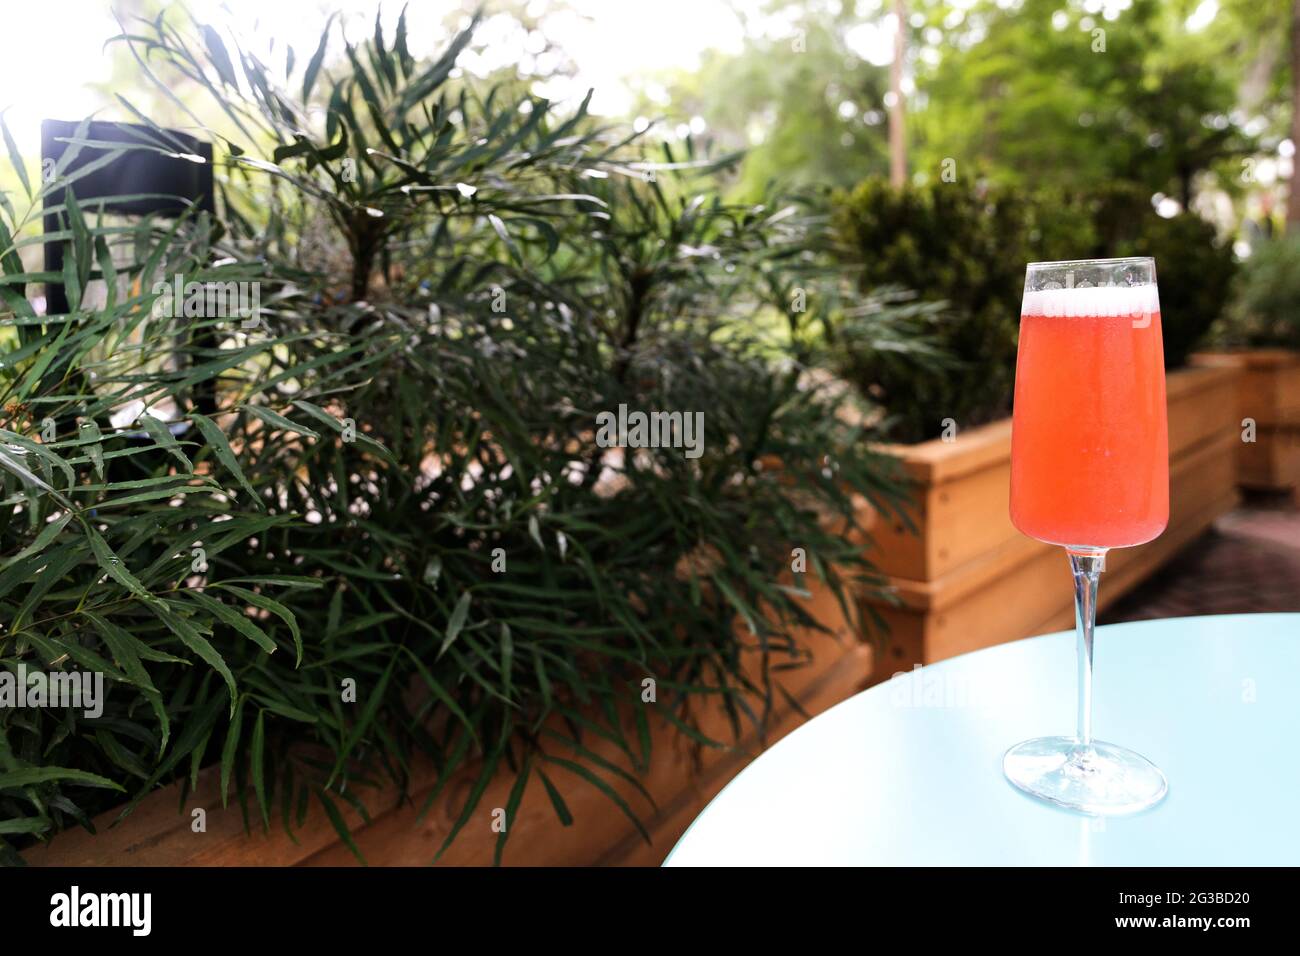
[910,771]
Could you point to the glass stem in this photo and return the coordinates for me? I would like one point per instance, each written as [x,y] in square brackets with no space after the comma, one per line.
[1087,565]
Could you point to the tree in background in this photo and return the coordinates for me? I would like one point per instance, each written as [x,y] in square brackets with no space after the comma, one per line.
[1050,94]
[898,102]
[807,107]
[1293,198]
[1039,93]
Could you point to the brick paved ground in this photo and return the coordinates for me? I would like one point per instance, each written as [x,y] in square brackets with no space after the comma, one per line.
[1248,562]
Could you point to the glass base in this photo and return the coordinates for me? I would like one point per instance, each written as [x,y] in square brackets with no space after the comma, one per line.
[1100,779]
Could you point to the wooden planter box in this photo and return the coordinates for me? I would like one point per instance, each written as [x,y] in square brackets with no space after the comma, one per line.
[969,579]
[1268,393]
[681,781]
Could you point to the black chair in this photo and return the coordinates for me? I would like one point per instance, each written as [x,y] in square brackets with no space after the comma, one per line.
[171,186]
[167,186]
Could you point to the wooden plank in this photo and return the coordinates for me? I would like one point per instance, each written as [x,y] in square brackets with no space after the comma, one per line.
[1202,407]
[159,833]
[962,520]
[961,487]
[936,461]
[952,481]
[1272,461]
[1269,395]
[1269,389]
[1013,590]
[1199,476]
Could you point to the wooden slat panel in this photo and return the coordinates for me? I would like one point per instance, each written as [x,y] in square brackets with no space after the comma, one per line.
[1202,407]
[1272,461]
[1268,393]
[948,478]
[1021,585]
[960,495]
[158,833]
[1269,389]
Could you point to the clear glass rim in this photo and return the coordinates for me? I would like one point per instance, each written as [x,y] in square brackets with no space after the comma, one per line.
[1091,262]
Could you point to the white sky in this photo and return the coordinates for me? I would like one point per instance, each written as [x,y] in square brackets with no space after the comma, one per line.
[609,40]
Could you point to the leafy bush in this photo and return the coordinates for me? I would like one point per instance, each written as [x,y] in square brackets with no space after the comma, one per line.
[1194,268]
[969,248]
[1265,311]
[403,486]
[99,521]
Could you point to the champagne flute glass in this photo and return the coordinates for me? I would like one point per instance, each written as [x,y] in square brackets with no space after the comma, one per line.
[1089,472]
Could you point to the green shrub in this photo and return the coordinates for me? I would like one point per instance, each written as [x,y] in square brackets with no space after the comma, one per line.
[1194,268]
[1265,311]
[967,249]
[403,488]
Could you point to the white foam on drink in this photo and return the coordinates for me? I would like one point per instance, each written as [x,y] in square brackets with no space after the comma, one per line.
[1092,301]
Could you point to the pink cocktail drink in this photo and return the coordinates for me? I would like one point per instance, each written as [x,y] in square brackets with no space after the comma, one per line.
[1089,472]
[1090,447]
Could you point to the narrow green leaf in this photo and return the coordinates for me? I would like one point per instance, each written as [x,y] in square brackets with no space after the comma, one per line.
[110,563]
[557,801]
[267,604]
[257,757]
[199,644]
[15,157]
[340,827]
[219,57]
[230,748]
[47,535]
[507,658]
[164,439]
[490,763]
[455,623]
[604,788]
[234,618]
[216,438]
[25,825]
[512,805]
[276,420]
[31,776]
[374,699]
[318,58]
